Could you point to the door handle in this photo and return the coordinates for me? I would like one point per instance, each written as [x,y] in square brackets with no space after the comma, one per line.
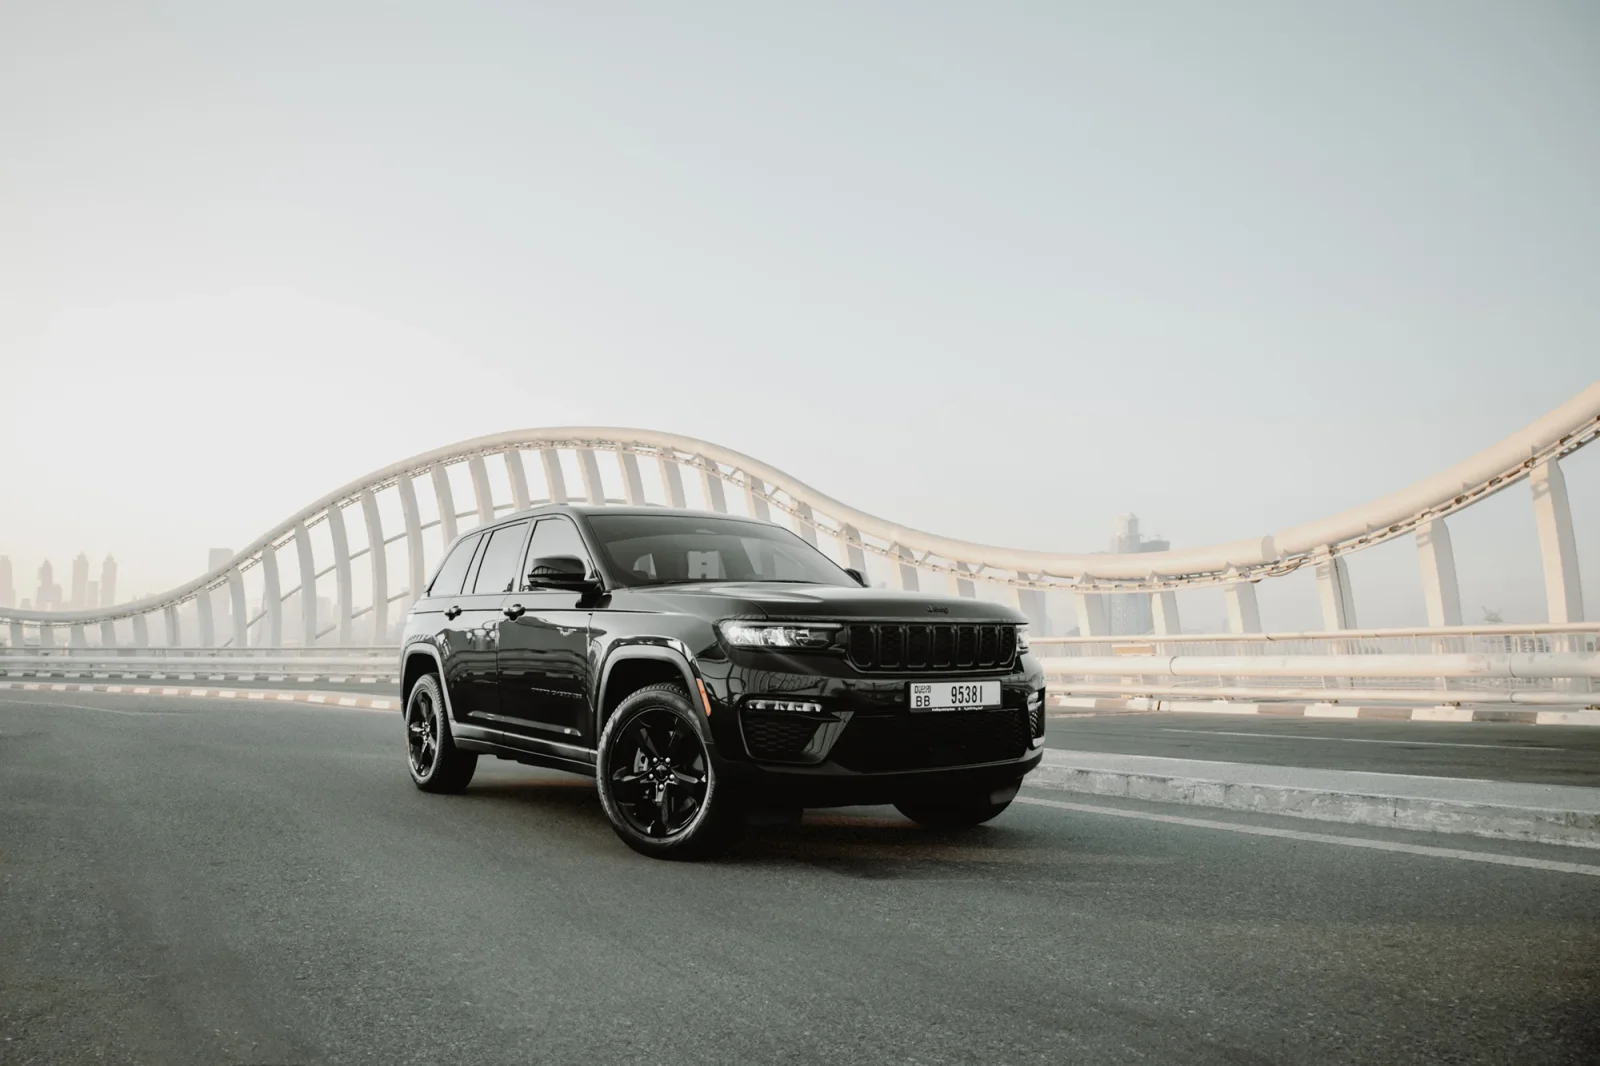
[451,612]
[515,611]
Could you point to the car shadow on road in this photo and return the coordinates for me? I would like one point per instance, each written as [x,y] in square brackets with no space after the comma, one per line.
[860,842]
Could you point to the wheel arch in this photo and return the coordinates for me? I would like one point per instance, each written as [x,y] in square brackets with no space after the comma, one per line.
[423,658]
[630,667]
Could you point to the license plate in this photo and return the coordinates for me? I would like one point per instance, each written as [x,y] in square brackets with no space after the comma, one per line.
[954,695]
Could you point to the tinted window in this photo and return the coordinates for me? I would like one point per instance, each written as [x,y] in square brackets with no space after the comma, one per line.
[454,569]
[499,566]
[672,549]
[554,536]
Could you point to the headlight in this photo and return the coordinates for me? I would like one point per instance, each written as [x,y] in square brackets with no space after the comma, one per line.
[777,635]
[1022,639]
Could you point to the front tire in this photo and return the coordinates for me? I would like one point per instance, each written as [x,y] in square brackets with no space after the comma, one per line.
[657,783]
[436,764]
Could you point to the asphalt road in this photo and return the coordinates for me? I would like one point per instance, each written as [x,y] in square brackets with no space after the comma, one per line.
[1537,754]
[199,881]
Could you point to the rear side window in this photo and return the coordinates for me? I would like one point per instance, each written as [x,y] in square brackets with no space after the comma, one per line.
[499,567]
[454,571]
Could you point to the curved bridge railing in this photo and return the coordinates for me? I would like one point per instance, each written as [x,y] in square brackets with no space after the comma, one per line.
[343,570]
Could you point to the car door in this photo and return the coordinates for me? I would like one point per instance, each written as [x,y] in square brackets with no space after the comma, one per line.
[442,604]
[544,646]
[476,691]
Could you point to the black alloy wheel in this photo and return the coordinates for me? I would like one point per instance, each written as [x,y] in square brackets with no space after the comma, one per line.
[656,780]
[659,773]
[436,764]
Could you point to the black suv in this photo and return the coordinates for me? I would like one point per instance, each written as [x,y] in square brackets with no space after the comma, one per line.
[704,668]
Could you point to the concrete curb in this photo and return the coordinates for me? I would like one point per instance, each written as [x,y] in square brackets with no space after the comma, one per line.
[1499,820]
[328,699]
[1089,707]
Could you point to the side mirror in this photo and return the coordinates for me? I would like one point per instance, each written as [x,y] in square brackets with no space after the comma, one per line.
[861,579]
[560,572]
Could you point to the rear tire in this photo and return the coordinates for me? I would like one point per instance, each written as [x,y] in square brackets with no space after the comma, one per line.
[963,810]
[657,783]
[436,764]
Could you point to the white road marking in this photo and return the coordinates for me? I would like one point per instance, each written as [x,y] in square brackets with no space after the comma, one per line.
[87,707]
[1362,740]
[1326,838]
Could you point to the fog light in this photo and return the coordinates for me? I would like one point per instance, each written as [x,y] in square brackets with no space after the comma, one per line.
[1035,700]
[785,706]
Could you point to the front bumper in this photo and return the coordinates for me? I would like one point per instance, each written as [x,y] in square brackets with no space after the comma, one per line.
[866,745]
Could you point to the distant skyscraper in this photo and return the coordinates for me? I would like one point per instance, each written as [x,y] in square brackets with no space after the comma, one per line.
[108,582]
[8,591]
[48,597]
[92,597]
[1128,613]
[80,583]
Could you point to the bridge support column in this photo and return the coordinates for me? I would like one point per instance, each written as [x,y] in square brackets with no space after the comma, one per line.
[672,478]
[1032,603]
[343,582]
[271,597]
[380,567]
[77,638]
[555,480]
[853,550]
[711,481]
[108,634]
[480,489]
[47,636]
[1164,612]
[632,481]
[308,585]
[141,632]
[447,500]
[18,639]
[1558,547]
[1440,591]
[960,584]
[805,524]
[416,565]
[519,490]
[241,611]
[754,500]
[1244,615]
[202,610]
[593,488]
[1092,620]
[174,631]
[907,568]
[1333,589]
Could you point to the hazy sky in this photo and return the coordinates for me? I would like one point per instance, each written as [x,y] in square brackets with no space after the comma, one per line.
[996,270]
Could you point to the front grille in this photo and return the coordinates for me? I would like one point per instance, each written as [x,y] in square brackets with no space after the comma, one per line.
[926,740]
[776,736]
[895,647]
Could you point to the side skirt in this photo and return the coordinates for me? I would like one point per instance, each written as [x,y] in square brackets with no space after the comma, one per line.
[534,751]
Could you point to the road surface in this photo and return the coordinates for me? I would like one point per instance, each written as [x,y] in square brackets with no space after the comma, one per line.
[187,880]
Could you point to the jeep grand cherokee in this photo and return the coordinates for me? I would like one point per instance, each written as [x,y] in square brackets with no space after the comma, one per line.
[701,666]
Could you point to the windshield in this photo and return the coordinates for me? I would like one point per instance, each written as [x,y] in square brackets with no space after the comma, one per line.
[676,549]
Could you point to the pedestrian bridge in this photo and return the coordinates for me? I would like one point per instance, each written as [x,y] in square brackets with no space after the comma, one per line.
[339,575]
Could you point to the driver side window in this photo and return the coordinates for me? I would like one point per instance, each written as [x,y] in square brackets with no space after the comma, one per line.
[553,536]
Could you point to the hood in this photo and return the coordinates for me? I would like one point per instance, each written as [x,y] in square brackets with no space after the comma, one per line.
[782,600]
